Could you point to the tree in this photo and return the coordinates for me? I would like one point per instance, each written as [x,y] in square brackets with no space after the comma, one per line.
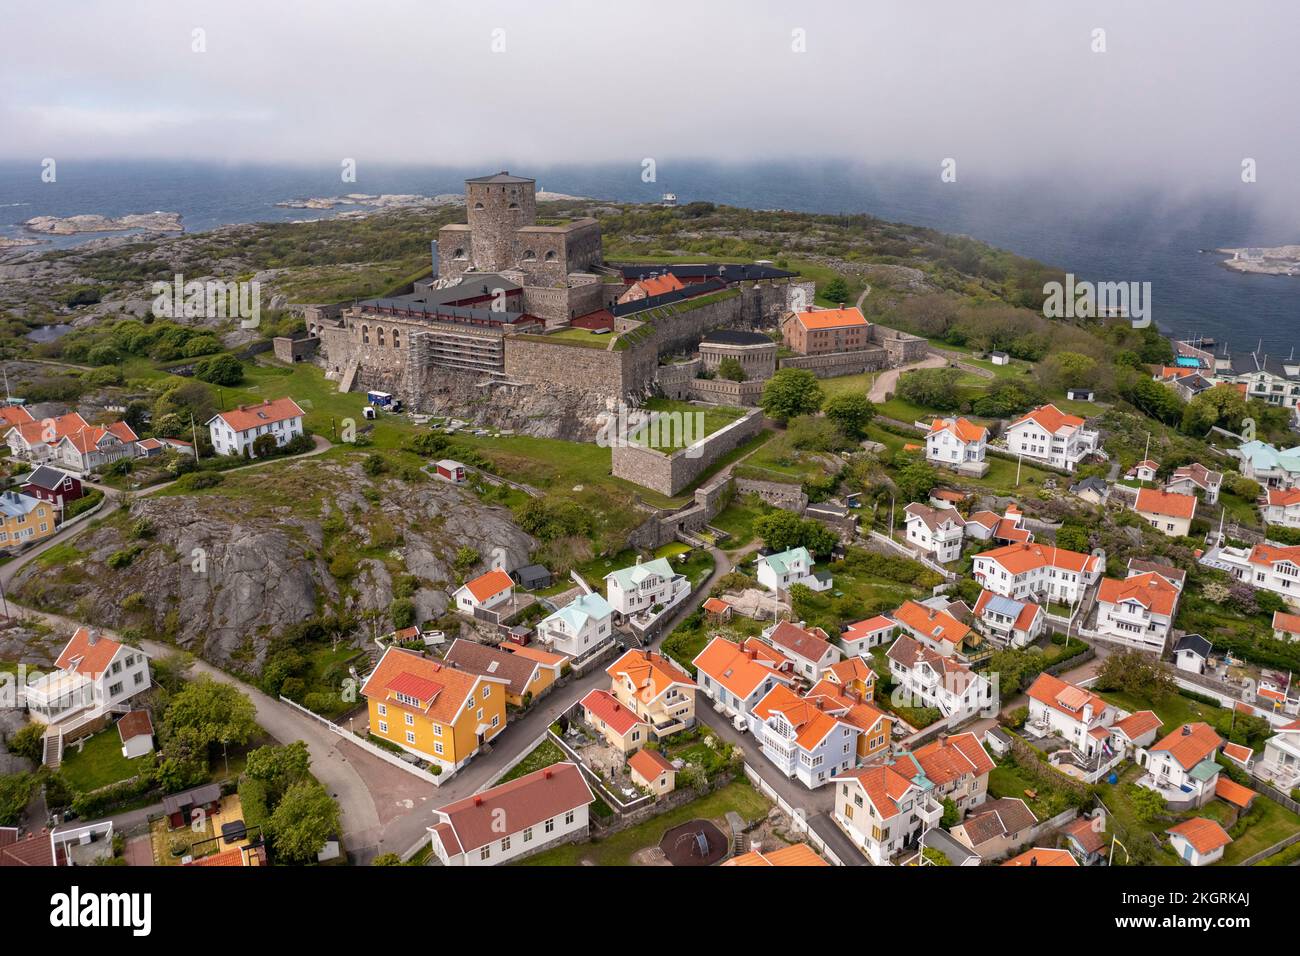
[222,369]
[265,446]
[215,711]
[1072,537]
[916,480]
[930,388]
[837,290]
[305,818]
[29,742]
[1063,370]
[780,529]
[387,859]
[951,815]
[852,411]
[1222,405]
[402,611]
[731,369]
[183,760]
[279,768]
[1132,673]
[791,392]
[15,793]
[1148,806]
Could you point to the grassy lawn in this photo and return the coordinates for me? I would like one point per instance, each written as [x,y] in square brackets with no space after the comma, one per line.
[543,755]
[687,424]
[1265,825]
[583,338]
[738,518]
[618,849]
[99,763]
[1173,711]
[1008,780]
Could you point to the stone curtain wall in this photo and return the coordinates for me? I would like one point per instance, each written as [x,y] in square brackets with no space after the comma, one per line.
[840,363]
[719,391]
[669,474]
[789,497]
[901,347]
[621,374]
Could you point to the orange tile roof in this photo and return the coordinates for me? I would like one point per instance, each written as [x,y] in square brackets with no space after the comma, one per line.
[1167,503]
[1051,418]
[34,432]
[797,854]
[11,415]
[1238,752]
[1085,834]
[658,285]
[486,586]
[1234,792]
[851,669]
[452,687]
[1136,724]
[740,668]
[1189,744]
[605,706]
[716,606]
[136,723]
[535,654]
[808,643]
[810,722]
[1019,558]
[1151,590]
[961,429]
[650,764]
[232,857]
[1203,834]
[934,624]
[884,787]
[861,714]
[860,629]
[651,672]
[949,758]
[1065,697]
[1042,856]
[1282,621]
[244,417]
[1283,497]
[818,319]
[82,656]
[1272,554]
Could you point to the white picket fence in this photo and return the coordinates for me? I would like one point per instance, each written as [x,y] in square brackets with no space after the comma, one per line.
[380,752]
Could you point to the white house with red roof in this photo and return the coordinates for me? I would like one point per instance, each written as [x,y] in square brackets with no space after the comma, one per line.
[735,677]
[514,819]
[806,738]
[95,447]
[1286,627]
[935,532]
[484,592]
[95,675]
[1138,610]
[1280,761]
[934,627]
[1049,435]
[958,444]
[808,650]
[1181,766]
[1007,621]
[1281,506]
[957,765]
[1099,733]
[1272,567]
[234,432]
[1144,470]
[860,637]
[1038,572]
[35,440]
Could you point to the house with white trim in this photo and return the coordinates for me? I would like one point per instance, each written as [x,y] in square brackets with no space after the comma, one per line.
[1049,435]
[1270,466]
[735,677]
[860,637]
[1038,572]
[94,675]
[235,431]
[783,570]
[1144,470]
[1190,479]
[806,738]
[1007,621]
[883,810]
[958,444]
[95,447]
[484,592]
[1272,567]
[934,627]
[1281,506]
[1181,766]
[1169,513]
[1138,610]
[584,623]
[644,586]
[1280,761]
[809,650]
[931,680]
[35,440]
[654,688]
[935,532]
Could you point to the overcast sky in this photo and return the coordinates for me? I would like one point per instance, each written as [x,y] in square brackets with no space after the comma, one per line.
[1185,90]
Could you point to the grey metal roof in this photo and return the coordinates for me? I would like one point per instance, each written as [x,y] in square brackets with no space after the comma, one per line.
[1194,643]
[46,477]
[501,178]
[736,337]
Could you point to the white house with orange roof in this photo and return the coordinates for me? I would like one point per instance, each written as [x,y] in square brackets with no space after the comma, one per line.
[94,676]
[1281,506]
[1007,621]
[1049,435]
[95,447]
[935,532]
[958,444]
[860,637]
[929,679]
[655,688]
[806,738]
[935,628]
[1280,761]
[1199,841]
[1099,733]
[885,808]
[1169,513]
[1138,610]
[1144,470]
[484,592]
[11,415]
[1286,627]
[234,432]
[1008,528]
[1181,765]
[874,725]
[1038,572]
[957,765]
[736,676]
[1272,567]
[35,440]
[809,650]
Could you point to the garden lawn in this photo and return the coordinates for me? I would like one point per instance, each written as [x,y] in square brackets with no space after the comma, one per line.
[99,763]
[543,755]
[617,850]
[1270,824]
[1173,711]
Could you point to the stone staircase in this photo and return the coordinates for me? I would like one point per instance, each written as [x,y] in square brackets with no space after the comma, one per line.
[52,753]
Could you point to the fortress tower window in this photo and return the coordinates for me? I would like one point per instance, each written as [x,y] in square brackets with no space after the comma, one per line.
[529,254]
[550,255]
[365,335]
[513,205]
[379,334]
[397,338]
[458,254]
[478,205]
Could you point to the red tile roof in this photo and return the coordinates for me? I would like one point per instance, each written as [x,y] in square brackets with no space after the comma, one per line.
[1152,591]
[1167,503]
[818,319]
[1085,833]
[135,724]
[1137,724]
[527,801]
[1234,792]
[51,430]
[740,668]
[1189,744]
[809,644]
[961,429]
[1283,621]
[605,706]
[810,721]
[931,623]
[1203,834]
[871,625]
[11,415]
[1041,856]
[232,857]
[85,657]
[650,672]
[455,685]
[486,586]
[716,606]
[1051,418]
[658,285]
[33,849]
[1065,697]
[797,854]
[650,764]
[1019,558]
[948,758]
[884,787]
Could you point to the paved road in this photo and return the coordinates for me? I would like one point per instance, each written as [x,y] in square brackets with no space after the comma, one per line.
[886,380]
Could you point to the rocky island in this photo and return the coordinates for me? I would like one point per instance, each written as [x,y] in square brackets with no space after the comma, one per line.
[1267,261]
[73,225]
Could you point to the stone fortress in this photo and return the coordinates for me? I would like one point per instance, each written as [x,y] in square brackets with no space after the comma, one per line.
[522,325]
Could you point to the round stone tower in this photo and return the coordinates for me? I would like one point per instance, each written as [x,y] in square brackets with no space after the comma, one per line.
[496,206]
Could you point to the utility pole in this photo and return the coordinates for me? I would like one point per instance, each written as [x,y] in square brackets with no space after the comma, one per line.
[194,435]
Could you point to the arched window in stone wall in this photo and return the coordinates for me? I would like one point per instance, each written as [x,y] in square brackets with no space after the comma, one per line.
[478,205]
[550,255]
[458,254]
[379,335]
[513,205]
[365,335]
[397,338]
[530,254]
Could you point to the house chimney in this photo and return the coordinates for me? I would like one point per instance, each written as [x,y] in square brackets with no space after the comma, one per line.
[1187,730]
[92,637]
[478,801]
[548,773]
